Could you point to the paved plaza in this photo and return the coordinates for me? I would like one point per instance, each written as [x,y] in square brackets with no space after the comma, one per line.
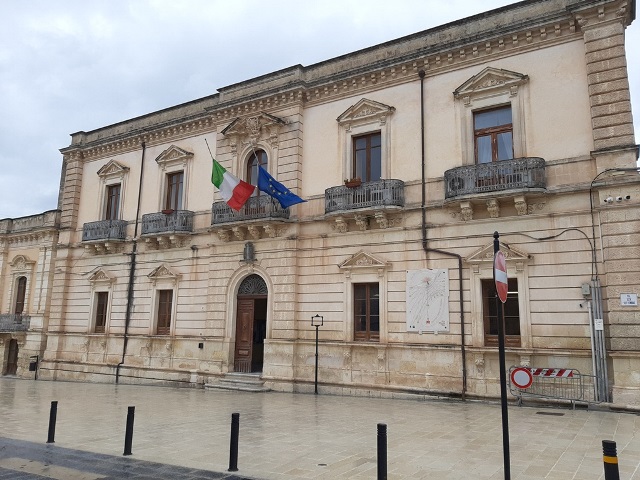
[183,433]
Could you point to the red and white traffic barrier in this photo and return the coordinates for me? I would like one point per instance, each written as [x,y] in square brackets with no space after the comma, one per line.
[551,372]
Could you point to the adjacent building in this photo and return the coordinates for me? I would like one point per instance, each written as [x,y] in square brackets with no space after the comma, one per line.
[410,154]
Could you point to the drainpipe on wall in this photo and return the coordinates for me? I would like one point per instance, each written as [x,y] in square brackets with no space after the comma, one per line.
[132,271]
[425,246]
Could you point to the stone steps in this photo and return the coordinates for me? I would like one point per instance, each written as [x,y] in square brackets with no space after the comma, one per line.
[244,382]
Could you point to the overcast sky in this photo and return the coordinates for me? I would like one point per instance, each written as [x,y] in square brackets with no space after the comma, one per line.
[71,65]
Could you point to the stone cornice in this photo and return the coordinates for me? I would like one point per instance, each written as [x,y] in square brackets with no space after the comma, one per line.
[503,32]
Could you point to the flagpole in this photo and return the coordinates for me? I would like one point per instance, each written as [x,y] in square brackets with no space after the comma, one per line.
[205,141]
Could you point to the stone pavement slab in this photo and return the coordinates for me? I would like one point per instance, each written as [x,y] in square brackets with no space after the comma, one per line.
[302,436]
[32,461]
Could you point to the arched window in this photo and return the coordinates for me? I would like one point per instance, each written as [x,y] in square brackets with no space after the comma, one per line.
[21,291]
[257,158]
[253,285]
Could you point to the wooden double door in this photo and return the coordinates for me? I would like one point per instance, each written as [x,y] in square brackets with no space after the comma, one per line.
[251,330]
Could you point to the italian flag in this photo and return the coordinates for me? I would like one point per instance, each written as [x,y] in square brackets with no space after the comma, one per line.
[234,191]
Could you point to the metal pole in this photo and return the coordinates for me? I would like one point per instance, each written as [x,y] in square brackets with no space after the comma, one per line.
[53,413]
[503,374]
[610,459]
[128,436]
[233,447]
[316,380]
[382,451]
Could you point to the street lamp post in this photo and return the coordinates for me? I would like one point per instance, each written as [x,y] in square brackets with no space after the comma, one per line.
[317,321]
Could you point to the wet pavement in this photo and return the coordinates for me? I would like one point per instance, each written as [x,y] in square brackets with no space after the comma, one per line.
[183,433]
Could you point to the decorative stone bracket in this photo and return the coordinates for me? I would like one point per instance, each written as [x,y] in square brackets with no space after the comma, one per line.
[101,248]
[340,223]
[493,208]
[254,231]
[162,242]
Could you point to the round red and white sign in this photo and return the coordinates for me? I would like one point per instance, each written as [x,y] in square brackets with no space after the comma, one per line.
[500,276]
[521,377]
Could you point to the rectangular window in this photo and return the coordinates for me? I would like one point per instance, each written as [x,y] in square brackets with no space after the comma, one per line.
[493,134]
[112,210]
[102,300]
[175,182]
[367,157]
[490,314]
[165,304]
[20,295]
[366,311]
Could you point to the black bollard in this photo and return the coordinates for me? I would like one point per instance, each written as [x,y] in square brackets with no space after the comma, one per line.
[53,413]
[233,448]
[382,451]
[128,436]
[610,459]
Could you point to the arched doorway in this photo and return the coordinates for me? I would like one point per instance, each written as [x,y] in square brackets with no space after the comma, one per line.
[12,360]
[251,325]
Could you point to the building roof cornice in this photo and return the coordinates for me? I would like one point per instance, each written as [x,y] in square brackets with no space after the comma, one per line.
[523,26]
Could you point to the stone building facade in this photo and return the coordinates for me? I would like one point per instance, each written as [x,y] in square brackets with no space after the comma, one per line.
[517,121]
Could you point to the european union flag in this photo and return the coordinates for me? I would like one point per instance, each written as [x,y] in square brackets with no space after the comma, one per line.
[272,187]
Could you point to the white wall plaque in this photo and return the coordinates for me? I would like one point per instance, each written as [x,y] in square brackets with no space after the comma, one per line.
[428,301]
[629,299]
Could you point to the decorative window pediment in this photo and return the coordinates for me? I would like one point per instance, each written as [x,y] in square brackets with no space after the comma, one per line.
[363,261]
[489,80]
[163,273]
[173,156]
[101,277]
[20,263]
[365,111]
[112,170]
[253,129]
[512,255]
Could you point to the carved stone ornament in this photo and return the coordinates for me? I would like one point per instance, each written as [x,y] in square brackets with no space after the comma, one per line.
[361,221]
[112,169]
[20,263]
[340,225]
[521,205]
[100,276]
[224,234]
[163,272]
[488,80]
[365,111]
[513,256]
[493,208]
[252,130]
[173,156]
[364,261]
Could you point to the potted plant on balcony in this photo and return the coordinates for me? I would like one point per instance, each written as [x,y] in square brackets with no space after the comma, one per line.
[353,182]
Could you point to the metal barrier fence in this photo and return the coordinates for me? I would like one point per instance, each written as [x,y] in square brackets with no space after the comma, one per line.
[552,383]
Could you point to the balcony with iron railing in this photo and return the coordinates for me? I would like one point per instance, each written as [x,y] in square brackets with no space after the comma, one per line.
[14,322]
[261,207]
[368,195]
[104,230]
[522,174]
[167,222]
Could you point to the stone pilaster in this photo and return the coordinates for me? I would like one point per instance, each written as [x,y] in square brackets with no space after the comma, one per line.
[608,82]
[70,197]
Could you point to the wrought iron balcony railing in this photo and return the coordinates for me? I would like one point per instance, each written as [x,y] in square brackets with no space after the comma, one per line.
[14,322]
[519,173]
[261,207]
[175,221]
[104,230]
[380,193]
